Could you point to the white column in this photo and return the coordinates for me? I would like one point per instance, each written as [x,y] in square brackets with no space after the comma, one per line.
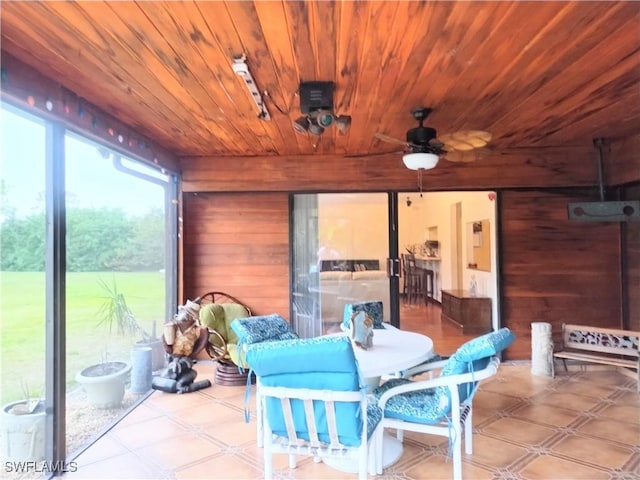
[541,349]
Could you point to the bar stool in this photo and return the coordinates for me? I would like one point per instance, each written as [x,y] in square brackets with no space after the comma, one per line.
[414,280]
[428,284]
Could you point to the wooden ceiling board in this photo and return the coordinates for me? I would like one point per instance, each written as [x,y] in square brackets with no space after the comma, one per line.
[123,53]
[516,78]
[300,18]
[276,60]
[566,88]
[533,74]
[352,35]
[210,63]
[181,73]
[411,89]
[400,38]
[380,18]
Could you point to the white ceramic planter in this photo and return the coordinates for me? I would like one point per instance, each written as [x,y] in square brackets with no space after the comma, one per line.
[23,435]
[104,383]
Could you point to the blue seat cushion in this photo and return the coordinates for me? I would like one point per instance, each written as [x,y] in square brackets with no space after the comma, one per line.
[262,328]
[374,415]
[485,345]
[318,355]
[420,406]
[321,363]
[431,405]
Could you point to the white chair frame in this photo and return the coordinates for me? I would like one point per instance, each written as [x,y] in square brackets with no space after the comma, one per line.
[461,413]
[364,454]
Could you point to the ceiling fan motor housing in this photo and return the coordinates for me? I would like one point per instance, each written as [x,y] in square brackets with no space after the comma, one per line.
[421,137]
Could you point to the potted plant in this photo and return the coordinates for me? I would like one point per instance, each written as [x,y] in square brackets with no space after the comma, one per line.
[104,382]
[116,315]
[23,429]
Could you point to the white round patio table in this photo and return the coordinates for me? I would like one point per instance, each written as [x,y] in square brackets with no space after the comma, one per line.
[393,350]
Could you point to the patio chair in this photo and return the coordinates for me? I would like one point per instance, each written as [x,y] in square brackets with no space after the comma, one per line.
[313,402]
[218,310]
[441,405]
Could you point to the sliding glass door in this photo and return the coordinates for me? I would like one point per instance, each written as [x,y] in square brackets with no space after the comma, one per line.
[115,283]
[22,290]
[340,256]
[88,274]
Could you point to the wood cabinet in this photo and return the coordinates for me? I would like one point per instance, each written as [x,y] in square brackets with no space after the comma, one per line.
[470,314]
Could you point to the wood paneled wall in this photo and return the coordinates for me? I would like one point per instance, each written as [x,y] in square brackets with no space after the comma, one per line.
[632,264]
[552,269]
[526,168]
[622,162]
[238,244]
[555,270]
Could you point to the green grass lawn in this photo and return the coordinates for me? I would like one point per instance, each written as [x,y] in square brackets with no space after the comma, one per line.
[22,324]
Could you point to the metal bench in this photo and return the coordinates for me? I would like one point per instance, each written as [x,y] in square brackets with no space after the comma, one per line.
[606,346]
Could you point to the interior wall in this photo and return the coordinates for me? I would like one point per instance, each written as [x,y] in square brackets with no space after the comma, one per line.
[434,210]
[238,243]
[354,226]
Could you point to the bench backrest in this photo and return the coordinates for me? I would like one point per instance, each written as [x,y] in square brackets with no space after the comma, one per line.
[597,339]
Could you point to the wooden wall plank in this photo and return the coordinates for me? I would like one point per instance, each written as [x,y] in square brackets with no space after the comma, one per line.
[631,239]
[533,287]
[246,261]
[552,269]
[381,173]
[622,162]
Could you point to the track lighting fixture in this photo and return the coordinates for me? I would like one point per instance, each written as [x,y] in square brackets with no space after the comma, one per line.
[343,122]
[316,104]
[301,124]
[314,127]
[241,69]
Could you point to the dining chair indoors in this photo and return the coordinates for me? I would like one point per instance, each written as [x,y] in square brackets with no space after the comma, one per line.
[441,405]
[313,402]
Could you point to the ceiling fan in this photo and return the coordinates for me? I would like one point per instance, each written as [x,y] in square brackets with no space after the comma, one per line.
[424,147]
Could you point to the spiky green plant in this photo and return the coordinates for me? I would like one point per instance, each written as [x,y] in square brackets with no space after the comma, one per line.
[116,314]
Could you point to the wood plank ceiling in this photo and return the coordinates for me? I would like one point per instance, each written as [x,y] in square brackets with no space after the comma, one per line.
[534,74]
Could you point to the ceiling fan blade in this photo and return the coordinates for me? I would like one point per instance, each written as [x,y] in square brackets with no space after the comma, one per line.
[465,140]
[466,156]
[376,154]
[388,139]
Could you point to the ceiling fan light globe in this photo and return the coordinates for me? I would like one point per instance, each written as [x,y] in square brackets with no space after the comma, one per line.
[418,161]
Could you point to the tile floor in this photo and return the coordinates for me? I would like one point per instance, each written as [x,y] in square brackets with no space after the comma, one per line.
[580,425]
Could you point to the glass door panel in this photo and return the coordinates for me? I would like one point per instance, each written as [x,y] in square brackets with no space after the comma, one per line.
[115,284]
[22,288]
[340,250]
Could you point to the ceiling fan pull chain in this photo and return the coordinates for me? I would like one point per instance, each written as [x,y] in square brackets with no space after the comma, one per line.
[420,180]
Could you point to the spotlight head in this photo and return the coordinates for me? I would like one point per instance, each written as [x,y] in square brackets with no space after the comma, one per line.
[314,128]
[324,117]
[301,124]
[343,122]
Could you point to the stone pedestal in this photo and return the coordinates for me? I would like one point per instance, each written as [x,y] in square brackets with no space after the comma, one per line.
[541,349]
[141,373]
